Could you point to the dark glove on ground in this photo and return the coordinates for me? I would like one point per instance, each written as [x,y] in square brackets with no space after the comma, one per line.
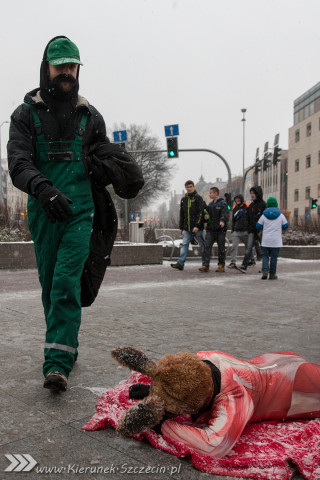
[55,204]
[139,391]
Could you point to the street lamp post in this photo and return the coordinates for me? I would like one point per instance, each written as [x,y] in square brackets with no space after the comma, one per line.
[243,120]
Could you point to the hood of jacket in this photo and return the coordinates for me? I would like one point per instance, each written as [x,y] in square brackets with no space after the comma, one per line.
[34,97]
[239,196]
[219,203]
[272,213]
[49,92]
[258,191]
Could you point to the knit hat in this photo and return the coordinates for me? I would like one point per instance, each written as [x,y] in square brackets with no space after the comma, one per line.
[62,50]
[272,202]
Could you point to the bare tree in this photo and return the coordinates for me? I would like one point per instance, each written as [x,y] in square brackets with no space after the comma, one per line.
[156,167]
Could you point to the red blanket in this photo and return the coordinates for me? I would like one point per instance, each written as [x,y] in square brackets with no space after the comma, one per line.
[266,450]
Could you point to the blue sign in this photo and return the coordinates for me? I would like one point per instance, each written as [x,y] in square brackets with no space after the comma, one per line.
[171,130]
[132,216]
[120,136]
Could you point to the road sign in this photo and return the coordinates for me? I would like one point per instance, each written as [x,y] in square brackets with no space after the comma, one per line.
[120,136]
[171,130]
[132,216]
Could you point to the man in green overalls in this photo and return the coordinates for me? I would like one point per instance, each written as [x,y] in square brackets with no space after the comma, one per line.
[50,134]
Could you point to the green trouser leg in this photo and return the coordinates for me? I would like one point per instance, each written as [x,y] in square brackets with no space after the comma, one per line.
[60,258]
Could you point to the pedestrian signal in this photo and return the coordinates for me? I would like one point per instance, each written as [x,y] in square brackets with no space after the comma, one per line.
[276,155]
[172,147]
[314,203]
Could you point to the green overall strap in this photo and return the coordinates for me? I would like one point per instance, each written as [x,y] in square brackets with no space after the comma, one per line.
[38,125]
[82,124]
[36,119]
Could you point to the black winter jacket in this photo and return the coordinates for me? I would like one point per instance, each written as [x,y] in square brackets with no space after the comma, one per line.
[240,221]
[191,212]
[255,209]
[218,212]
[22,142]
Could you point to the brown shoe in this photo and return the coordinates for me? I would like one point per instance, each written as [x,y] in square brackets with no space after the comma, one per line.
[204,269]
[220,268]
[56,381]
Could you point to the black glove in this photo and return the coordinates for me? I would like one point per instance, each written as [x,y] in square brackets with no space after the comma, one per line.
[138,391]
[55,204]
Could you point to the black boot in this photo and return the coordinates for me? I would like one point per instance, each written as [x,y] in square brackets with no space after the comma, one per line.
[56,381]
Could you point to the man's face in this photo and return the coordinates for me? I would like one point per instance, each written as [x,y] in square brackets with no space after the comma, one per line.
[64,69]
[238,201]
[253,196]
[190,188]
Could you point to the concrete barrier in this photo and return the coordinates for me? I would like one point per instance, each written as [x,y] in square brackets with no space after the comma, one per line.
[20,255]
[299,252]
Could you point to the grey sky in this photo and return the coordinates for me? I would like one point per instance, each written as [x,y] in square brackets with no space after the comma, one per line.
[162,62]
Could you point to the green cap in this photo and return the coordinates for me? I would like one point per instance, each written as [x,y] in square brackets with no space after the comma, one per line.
[62,50]
[272,202]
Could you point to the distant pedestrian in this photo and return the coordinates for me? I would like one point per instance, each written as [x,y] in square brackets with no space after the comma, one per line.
[272,223]
[191,223]
[255,211]
[217,217]
[239,227]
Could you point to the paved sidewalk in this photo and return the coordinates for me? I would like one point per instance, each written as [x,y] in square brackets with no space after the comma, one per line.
[159,310]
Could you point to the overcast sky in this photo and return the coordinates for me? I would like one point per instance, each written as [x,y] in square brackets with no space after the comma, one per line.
[195,63]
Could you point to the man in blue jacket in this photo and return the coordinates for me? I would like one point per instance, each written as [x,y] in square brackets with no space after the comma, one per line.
[191,222]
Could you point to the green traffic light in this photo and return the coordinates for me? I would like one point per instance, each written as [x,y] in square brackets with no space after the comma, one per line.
[171,153]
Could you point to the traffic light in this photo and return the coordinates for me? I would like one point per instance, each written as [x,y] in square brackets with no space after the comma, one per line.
[172,147]
[276,155]
[313,203]
[228,200]
[257,167]
[266,161]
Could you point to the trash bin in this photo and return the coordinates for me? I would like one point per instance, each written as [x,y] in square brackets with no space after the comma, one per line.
[136,232]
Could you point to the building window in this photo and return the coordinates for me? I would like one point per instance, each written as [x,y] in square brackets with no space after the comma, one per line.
[296,165]
[308,161]
[296,212]
[307,193]
[318,190]
[296,195]
[297,135]
[308,130]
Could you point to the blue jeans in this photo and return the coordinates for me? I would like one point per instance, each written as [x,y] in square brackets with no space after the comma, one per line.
[272,254]
[252,238]
[186,239]
[212,237]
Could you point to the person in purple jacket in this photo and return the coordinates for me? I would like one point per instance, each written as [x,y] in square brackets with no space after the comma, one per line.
[272,222]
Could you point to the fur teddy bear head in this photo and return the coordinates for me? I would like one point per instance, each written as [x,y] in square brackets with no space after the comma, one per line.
[181,384]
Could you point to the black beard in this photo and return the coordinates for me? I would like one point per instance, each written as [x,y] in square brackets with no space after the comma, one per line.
[54,91]
[63,77]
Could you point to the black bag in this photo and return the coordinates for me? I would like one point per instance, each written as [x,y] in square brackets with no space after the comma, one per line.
[104,231]
[119,168]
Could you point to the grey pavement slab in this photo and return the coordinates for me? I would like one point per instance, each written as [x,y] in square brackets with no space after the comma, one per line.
[155,308]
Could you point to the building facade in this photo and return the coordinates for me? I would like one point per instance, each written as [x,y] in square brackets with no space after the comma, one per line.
[304,155]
